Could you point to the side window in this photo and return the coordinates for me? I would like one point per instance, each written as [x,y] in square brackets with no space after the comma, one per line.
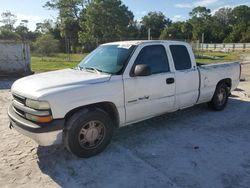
[181,57]
[155,57]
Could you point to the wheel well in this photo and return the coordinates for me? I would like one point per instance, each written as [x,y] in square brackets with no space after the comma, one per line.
[227,81]
[108,107]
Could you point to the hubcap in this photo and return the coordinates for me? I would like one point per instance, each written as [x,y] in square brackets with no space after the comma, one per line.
[221,96]
[91,134]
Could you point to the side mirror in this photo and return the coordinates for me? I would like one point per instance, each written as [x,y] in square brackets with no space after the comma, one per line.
[142,70]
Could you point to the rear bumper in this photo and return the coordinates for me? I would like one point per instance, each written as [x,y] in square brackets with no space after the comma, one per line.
[44,134]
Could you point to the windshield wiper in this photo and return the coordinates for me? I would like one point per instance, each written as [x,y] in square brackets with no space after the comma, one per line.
[93,69]
[77,68]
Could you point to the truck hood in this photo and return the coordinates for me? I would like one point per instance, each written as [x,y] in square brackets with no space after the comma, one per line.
[38,85]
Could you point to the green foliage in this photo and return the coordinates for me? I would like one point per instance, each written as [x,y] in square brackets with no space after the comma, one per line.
[241,16]
[200,21]
[241,25]
[104,21]
[175,31]
[245,36]
[91,22]
[156,21]
[45,27]
[67,9]
[6,34]
[23,31]
[46,45]
[224,16]
[8,20]
[7,29]
[226,25]
[69,16]
[200,12]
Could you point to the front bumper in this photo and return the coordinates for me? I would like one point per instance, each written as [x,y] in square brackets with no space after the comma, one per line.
[45,134]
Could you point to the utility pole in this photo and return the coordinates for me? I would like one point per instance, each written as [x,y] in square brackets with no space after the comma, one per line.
[202,41]
[149,33]
[68,48]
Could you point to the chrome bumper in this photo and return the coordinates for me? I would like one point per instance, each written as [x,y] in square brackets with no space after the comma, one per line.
[42,139]
[44,134]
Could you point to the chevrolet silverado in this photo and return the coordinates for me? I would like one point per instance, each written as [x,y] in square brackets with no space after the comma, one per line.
[119,83]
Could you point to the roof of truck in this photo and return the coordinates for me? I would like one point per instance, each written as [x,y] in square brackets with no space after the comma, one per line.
[138,42]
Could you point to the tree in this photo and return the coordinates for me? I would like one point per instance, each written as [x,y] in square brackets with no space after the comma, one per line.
[69,18]
[133,30]
[53,28]
[200,12]
[9,32]
[45,27]
[46,44]
[175,31]
[22,30]
[156,21]
[221,25]
[246,36]
[8,20]
[68,8]
[224,16]
[241,16]
[200,21]
[104,21]
[240,25]
[6,34]
[187,30]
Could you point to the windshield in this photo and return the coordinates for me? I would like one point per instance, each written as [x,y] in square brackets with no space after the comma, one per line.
[107,58]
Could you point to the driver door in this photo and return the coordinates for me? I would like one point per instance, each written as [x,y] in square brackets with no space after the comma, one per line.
[148,96]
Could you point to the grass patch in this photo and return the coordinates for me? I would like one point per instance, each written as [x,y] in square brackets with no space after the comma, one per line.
[56,62]
[216,57]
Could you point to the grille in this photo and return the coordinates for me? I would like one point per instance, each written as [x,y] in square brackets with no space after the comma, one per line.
[20,100]
[19,112]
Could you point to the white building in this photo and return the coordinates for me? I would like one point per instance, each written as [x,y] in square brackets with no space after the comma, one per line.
[14,58]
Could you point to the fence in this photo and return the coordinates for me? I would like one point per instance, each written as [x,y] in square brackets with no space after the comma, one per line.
[226,47]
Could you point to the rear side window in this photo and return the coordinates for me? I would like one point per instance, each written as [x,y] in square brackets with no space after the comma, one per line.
[181,57]
[155,57]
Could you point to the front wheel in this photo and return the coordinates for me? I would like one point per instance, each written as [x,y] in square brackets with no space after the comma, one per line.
[220,98]
[88,132]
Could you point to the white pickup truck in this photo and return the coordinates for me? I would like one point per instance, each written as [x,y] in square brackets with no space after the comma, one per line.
[117,84]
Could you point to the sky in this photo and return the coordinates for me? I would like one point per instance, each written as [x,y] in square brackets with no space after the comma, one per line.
[176,10]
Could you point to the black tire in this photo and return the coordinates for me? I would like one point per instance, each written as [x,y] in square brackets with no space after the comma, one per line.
[220,98]
[84,126]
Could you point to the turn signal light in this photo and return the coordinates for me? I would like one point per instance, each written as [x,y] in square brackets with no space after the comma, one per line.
[39,119]
[44,119]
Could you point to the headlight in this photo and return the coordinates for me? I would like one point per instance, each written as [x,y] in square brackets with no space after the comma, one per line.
[38,105]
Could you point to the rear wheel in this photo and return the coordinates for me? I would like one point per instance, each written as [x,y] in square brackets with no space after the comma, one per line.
[88,132]
[220,98]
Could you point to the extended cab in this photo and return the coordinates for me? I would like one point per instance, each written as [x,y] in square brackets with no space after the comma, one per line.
[117,84]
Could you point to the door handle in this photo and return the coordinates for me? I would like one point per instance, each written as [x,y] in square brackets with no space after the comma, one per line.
[170,80]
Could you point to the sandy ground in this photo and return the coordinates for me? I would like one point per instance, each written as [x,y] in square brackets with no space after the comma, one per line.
[195,147]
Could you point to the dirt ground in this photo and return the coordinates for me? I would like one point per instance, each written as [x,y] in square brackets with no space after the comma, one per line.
[195,147]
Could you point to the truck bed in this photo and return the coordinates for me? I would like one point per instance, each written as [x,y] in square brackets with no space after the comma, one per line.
[211,74]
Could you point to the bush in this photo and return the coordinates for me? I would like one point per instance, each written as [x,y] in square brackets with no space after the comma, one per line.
[6,34]
[46,45]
